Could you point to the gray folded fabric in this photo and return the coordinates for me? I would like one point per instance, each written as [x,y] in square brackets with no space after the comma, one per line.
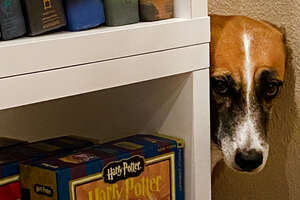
[11,19]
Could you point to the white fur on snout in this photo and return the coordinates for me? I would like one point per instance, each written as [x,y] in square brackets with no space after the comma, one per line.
[247,136]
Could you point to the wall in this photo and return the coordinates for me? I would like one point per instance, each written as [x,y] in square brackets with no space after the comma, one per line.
[280,180]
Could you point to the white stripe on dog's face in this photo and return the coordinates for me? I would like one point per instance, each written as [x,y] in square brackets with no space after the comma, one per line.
[247,126]
[247,133]
[248,66]
[247,136]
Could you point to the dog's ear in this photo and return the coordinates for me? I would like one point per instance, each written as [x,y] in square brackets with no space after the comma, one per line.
[281,29]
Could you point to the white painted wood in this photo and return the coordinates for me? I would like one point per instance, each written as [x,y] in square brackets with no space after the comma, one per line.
[161,68]
[102,114]
[176,105]
[189,119]
[58,50]
[179,123]
[190,8]
[183,9]
[199,8]
[201,137]
[43,86]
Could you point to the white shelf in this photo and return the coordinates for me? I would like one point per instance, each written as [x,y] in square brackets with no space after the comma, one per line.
[163,68]
[70,63]
[37,87]
[58,50]
[175,105]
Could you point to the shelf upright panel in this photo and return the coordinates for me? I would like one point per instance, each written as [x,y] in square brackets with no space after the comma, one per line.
[191,8]
[189,119]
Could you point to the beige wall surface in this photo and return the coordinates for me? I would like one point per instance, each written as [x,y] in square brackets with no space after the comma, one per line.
[280,180]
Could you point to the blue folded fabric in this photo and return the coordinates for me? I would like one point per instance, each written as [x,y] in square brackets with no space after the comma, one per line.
[84,14]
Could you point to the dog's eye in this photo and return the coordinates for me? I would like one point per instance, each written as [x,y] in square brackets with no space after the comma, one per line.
[271,90]
[220,87]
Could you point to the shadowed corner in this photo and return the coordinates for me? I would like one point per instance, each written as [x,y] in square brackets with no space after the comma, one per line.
[287,114]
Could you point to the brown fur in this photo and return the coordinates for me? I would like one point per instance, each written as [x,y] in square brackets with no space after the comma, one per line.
[227,54]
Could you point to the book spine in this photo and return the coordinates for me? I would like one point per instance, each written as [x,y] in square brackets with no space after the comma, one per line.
[180,174]
[38,183]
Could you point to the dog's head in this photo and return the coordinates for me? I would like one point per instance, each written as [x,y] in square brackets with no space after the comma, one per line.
[247,69]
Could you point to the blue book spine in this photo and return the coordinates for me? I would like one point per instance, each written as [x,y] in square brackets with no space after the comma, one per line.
[84,14]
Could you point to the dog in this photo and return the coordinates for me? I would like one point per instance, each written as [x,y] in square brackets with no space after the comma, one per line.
[247,70]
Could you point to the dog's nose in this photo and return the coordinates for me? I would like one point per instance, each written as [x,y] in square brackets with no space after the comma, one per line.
[248,160]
